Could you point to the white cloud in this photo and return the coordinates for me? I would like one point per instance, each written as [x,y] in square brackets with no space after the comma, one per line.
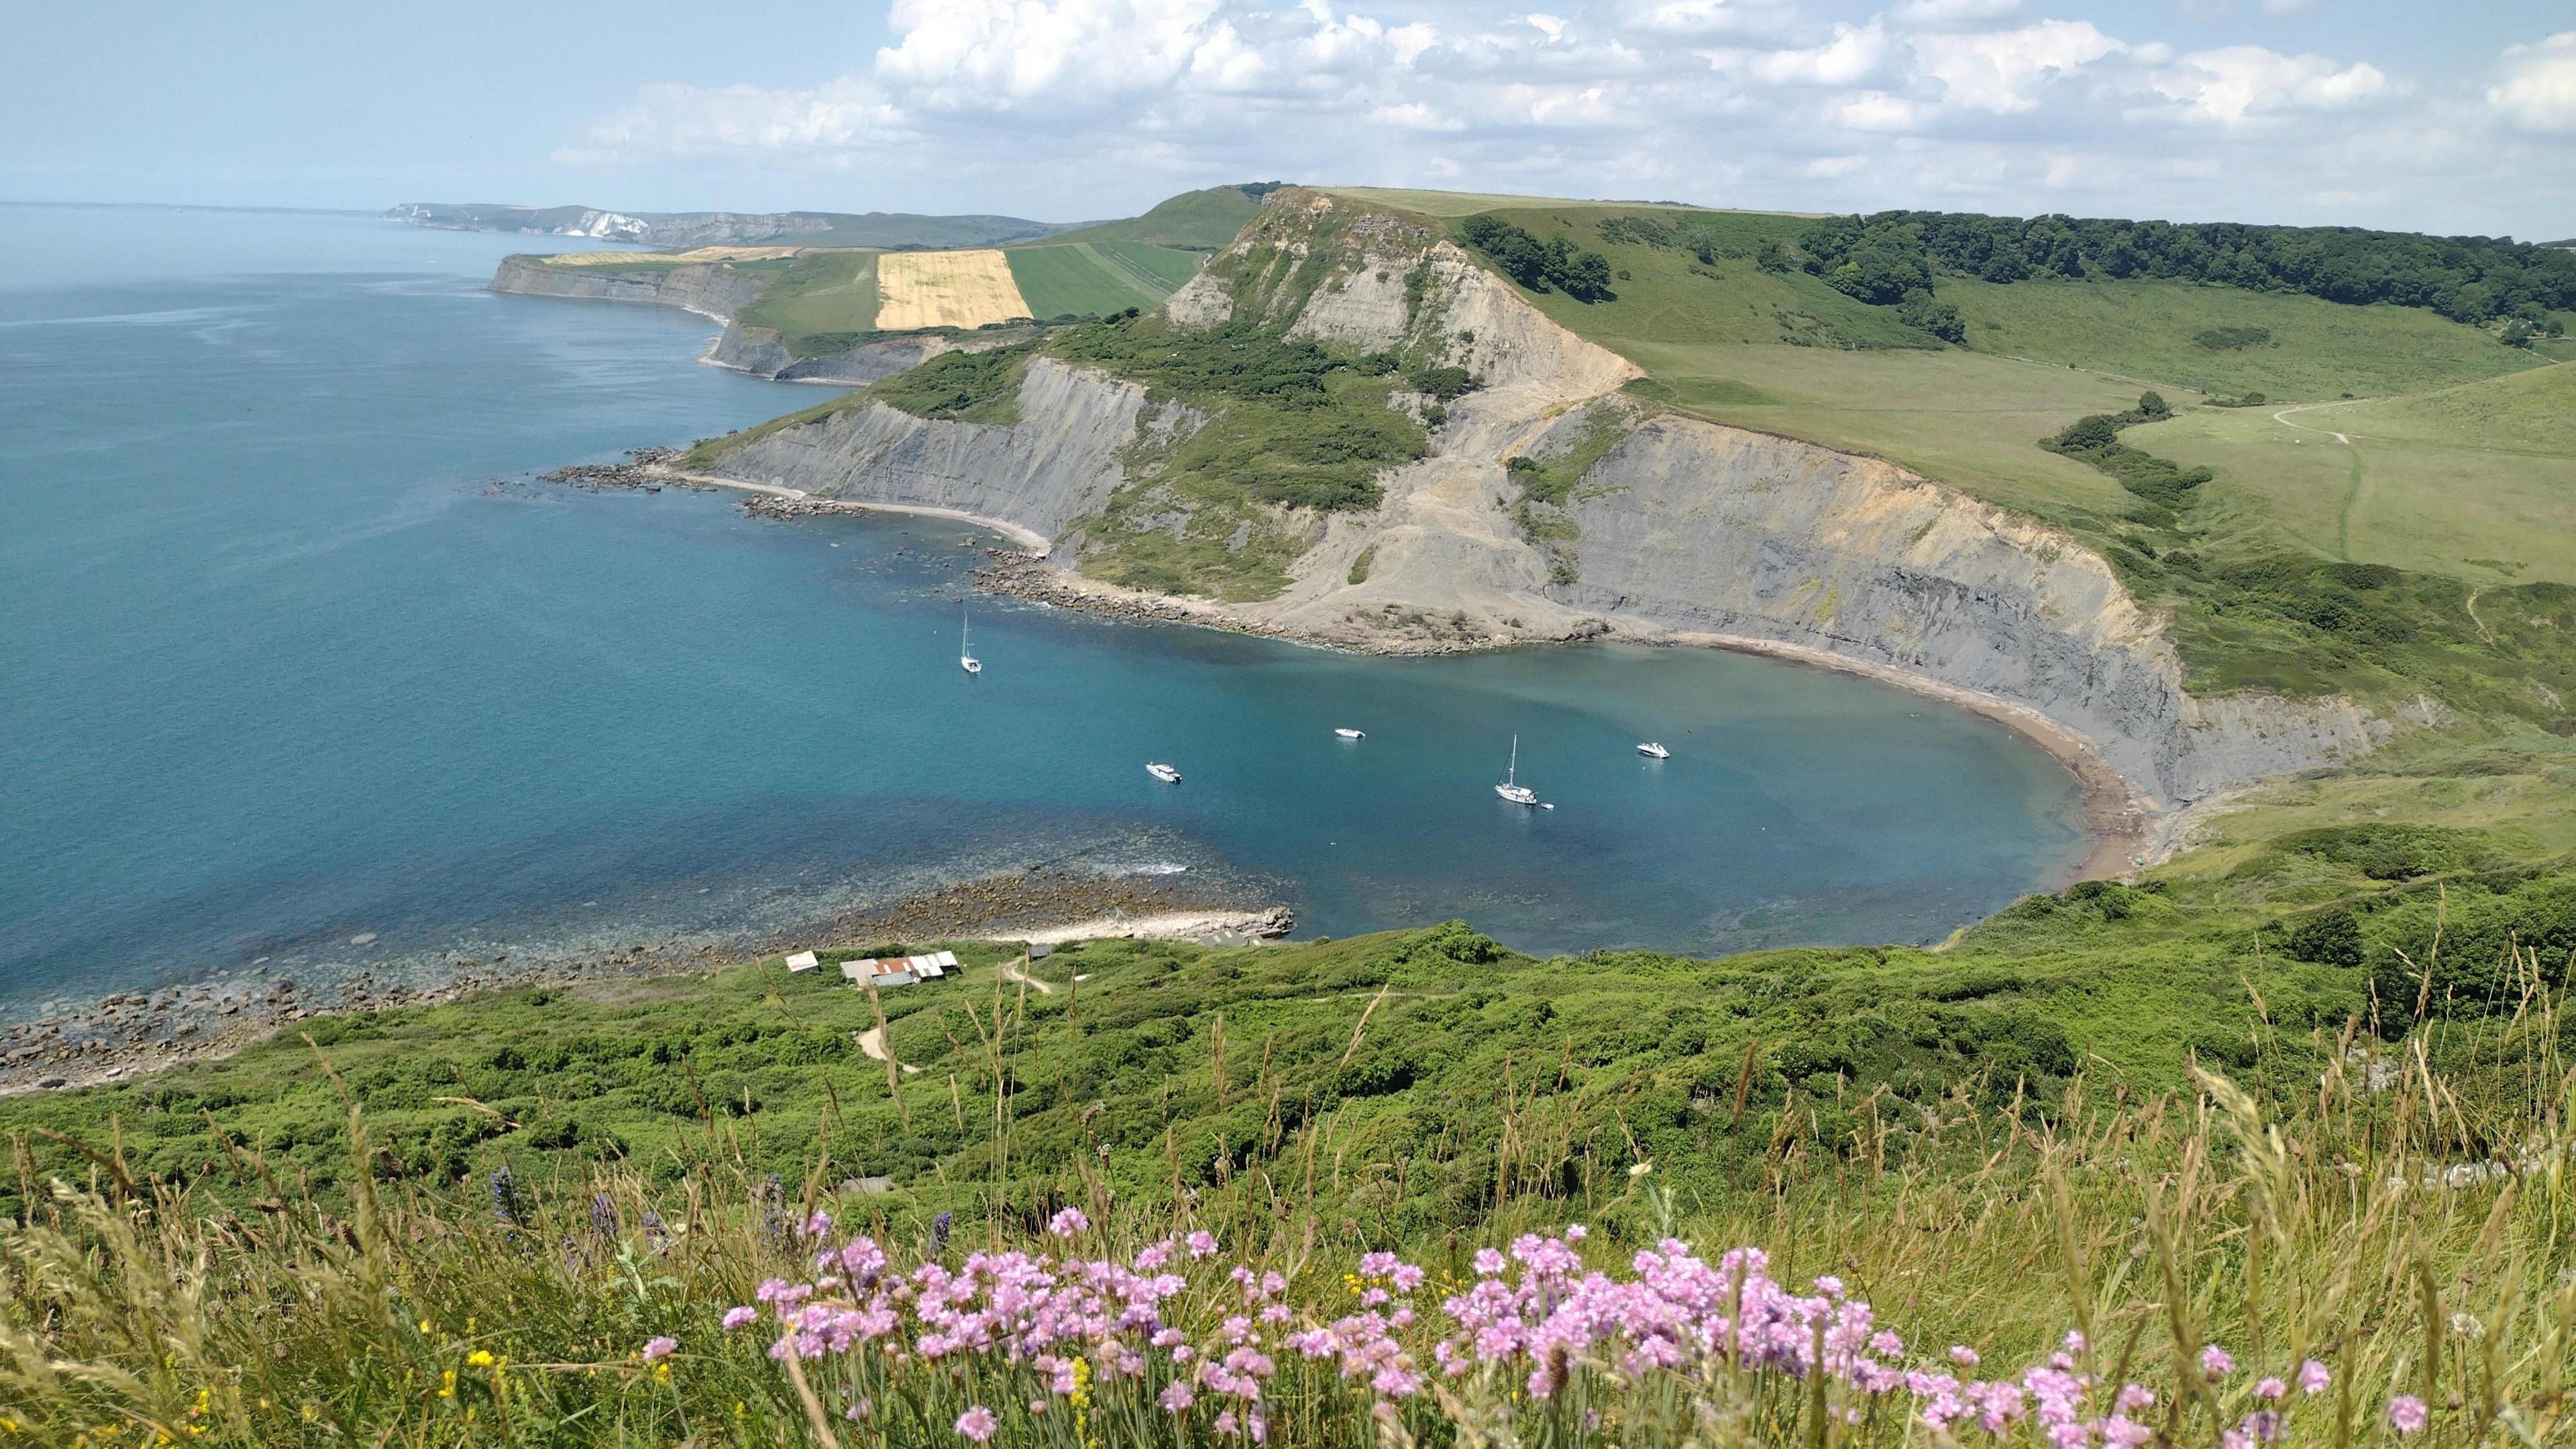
[2002,71]
[1952,12]
[2239,82]
[1076,107]
[2538,92]
[1854,52]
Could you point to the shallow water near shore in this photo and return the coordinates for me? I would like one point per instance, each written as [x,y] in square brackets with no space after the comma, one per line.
[296,654]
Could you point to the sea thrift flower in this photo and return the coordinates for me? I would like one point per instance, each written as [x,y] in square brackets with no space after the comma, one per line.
[1202,1243]
[2313,1377]
[1177,1398]
[2215,1362]
[2271,1388]
[1964,1356]
[977,1423]
[656,1349]
[2406,1413]
[1068,1222]
[737,1317]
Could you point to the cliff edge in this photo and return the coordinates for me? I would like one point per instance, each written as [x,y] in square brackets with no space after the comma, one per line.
[1551,506]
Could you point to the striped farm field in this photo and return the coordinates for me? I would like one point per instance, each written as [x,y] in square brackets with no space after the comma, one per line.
[946,289]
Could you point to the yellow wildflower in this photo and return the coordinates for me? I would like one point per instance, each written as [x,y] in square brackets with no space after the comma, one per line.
[480,1358]
[447,1384]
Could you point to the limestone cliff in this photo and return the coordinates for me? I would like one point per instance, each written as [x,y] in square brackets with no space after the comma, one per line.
[1671,527]
[716,291]
[1058,463]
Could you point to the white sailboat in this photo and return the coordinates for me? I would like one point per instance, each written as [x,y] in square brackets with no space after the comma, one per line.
[1511,788]
[966,659]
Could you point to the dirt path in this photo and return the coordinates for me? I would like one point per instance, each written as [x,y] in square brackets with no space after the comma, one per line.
[872,1044]
[1011,972]
[2352,492]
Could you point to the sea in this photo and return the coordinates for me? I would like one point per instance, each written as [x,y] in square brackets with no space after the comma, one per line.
[301,665]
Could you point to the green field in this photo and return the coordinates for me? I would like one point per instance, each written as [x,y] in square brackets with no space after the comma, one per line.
[2146,330]
[1195,220]
[2533,411]
[821,295]
[1078,279]
[2483,514]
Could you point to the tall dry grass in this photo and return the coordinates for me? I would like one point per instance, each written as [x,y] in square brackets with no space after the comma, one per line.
[2406,1220]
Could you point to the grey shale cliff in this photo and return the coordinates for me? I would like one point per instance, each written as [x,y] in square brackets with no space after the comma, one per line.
[1675,529]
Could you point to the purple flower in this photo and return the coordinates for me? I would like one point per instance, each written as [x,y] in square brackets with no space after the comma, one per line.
[1963,1356]
[1177,1398]
[2406,1413]
[737,1317]
[2215,1362]
[977,1423]
[656,1349]
[2313,1377]
[2271,1388]
[1201,1244]
[1068,1222]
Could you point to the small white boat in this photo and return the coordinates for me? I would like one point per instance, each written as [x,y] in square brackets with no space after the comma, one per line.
[1654,751]
[1350,734]
[966,659]
[1511,789]
[1164,773]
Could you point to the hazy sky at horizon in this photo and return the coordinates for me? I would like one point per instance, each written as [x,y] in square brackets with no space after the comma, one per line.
[2445,118]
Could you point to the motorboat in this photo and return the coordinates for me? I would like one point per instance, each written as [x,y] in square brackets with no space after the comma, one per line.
[1654,751]
[1164,773]
[1511,788]
[1351,734]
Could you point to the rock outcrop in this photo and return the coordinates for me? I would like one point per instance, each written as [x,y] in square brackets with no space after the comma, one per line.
[1045,472]
[1678,527]
[762,353]
[715,291]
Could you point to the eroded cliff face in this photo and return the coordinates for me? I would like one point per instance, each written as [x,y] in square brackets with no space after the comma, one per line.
[1676,527]
[1057,464]
[760,352]
[710,291]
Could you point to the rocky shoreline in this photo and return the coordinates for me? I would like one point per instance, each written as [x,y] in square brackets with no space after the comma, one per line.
[128,1035]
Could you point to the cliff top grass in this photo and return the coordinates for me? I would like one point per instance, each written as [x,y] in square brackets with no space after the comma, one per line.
[1200,221]
[819,297]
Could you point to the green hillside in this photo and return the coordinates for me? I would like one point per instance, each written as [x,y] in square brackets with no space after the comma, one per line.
[2532,411]
[1200,221]
[818,301]
[2216,339]
[1080,279]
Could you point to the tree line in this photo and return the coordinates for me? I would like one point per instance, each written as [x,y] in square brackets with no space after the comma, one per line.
[1880,257]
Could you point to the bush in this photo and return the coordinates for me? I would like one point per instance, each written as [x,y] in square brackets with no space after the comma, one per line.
[1539,265]
[1918,310]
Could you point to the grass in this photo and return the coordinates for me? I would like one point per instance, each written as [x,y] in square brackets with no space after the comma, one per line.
[2146,330]
[2130,1110]
[1468,203]
[2428,498]
[1169,268]
[1081,280]
[1200,221]
[820,299]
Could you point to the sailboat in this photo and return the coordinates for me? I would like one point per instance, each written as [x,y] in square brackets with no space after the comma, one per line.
[1511,789]
[966,659]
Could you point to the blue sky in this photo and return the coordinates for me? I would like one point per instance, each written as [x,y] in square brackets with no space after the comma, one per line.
[2440,117]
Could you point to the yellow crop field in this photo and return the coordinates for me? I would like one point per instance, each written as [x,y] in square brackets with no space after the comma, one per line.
[946,289]
[697,255]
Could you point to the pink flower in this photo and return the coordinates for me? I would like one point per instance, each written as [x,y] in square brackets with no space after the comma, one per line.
[2215,1362]
[737,1317]
[1068,1222]
[1177,1398]
[1488,1262]
[1963,1356]
[1201,1244]
[977,1423]
[2406,1413]
[2313,1377]
[2270,1389]
[656,1349]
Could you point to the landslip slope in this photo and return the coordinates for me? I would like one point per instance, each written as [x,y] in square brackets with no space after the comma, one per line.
[1668,526]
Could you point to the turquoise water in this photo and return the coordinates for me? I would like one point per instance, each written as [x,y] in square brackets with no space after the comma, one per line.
[285,664]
